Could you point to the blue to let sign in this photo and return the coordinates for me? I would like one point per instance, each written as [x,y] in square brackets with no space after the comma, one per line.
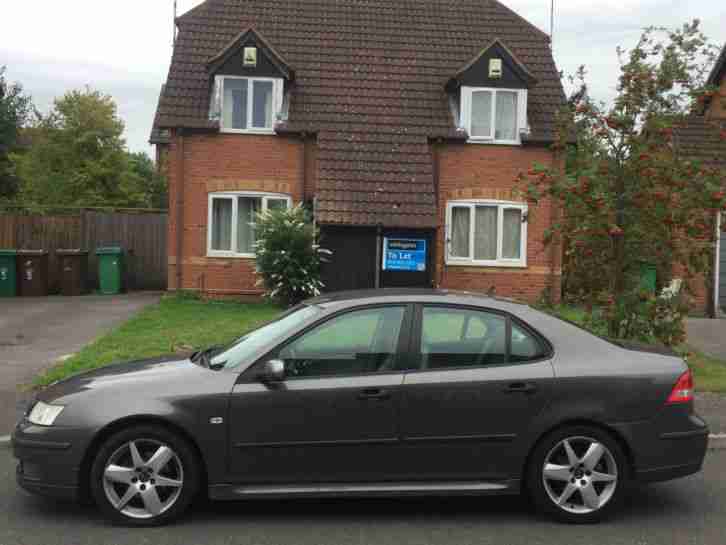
[403,254]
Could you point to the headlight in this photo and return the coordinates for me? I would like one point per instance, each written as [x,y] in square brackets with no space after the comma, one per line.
[44,414]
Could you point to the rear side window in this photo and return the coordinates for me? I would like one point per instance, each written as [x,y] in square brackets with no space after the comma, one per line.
[525,346]
[462,338]
[457,337]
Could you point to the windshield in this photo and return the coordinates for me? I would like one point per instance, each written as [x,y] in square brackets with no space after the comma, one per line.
[246,347]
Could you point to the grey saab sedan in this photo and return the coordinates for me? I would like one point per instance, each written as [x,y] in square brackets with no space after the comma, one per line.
[371,394]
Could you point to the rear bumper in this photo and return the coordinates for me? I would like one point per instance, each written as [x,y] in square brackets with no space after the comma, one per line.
[661,455]
[667,473]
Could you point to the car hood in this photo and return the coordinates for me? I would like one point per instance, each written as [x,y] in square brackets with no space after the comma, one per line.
[166,370]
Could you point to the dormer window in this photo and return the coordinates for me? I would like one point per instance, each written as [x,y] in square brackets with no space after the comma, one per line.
[248,79]
[493,115]
[491,92]
[249,105]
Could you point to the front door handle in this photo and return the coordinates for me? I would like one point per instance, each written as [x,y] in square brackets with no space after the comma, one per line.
[520,388]
[374,393]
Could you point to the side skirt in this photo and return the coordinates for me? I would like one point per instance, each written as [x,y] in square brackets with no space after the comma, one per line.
[335,490]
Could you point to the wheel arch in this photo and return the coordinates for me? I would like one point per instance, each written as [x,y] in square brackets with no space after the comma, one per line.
[118,425]
[615,434]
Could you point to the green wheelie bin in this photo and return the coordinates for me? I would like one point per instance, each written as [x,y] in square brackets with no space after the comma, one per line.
[8,273]
[110,270]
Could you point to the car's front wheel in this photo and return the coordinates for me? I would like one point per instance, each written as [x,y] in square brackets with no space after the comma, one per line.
[578,474]
[144,476]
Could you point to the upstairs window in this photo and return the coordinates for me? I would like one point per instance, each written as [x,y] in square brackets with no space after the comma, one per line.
[247,104]
[486,233]
[494,115]
[232,218]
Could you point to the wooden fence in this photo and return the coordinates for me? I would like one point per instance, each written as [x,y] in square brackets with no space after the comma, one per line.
[141,235]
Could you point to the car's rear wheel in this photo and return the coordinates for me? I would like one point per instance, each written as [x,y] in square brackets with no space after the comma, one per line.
[578,474]
[144,476]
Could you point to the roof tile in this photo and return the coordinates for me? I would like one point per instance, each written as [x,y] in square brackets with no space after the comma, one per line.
[370,81]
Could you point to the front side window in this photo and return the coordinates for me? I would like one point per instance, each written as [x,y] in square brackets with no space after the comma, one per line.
[493,115]
[232,218]
[359,342]
[243,350]
[248,104]
[487,233]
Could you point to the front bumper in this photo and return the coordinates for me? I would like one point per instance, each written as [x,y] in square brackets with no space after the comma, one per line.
[30,484]
[49,459]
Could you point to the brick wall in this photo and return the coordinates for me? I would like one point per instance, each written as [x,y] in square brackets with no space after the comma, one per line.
[277,164]
[224,163]
[489,172]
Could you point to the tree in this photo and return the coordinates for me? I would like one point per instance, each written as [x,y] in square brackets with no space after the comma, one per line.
[15,110]
[288,259]
[628,196]
[149,183]
[77,156]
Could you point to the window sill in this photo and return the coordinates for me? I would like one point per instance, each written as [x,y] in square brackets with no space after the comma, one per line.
[494,142]
[270,132]
[229,255]
[487,264]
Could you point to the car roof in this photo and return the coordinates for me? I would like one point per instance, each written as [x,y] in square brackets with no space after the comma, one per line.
[410,295]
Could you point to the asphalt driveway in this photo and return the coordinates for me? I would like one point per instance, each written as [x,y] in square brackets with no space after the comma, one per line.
[687,511]
[36,332]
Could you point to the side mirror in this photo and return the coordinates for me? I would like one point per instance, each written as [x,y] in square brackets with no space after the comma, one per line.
[273,371]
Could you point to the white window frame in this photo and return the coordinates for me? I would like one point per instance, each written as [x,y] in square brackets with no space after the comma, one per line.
[234,197]
[520,123]
[471,204]
[277,98]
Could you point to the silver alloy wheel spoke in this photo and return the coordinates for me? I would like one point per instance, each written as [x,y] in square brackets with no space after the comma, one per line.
[590,496]
[571,456]
[160,458]
[119,474]
[151,500]
[127,497]
[165,481]
[593,455]
[557,472]
[148,488]
[566,494]
[572,481]
[598,477]
[136,458]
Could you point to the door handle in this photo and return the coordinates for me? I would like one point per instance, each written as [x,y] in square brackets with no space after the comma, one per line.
[374,393]
[520,388]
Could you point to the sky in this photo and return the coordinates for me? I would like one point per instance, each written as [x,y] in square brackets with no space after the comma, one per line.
[123,48]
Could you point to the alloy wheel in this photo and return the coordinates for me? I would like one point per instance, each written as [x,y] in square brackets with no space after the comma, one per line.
[580,475]
[143,478]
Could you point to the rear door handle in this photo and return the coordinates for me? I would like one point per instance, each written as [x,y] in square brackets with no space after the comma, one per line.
[374,393]
[520,388]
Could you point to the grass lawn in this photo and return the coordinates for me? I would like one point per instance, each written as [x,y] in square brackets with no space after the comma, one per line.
[709,372]
[176,324]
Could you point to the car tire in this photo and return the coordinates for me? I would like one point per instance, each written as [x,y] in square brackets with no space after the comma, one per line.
[144,475]
[578,475]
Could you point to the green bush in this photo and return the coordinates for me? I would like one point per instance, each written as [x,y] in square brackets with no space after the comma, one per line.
[288,259]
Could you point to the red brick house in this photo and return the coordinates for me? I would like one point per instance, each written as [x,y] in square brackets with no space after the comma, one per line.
[401,124]
[701,138]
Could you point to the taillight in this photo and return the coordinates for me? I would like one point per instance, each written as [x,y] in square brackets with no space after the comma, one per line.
[683,390]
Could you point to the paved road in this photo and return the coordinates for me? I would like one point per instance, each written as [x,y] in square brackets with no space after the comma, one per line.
[689,511]
[35,332]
